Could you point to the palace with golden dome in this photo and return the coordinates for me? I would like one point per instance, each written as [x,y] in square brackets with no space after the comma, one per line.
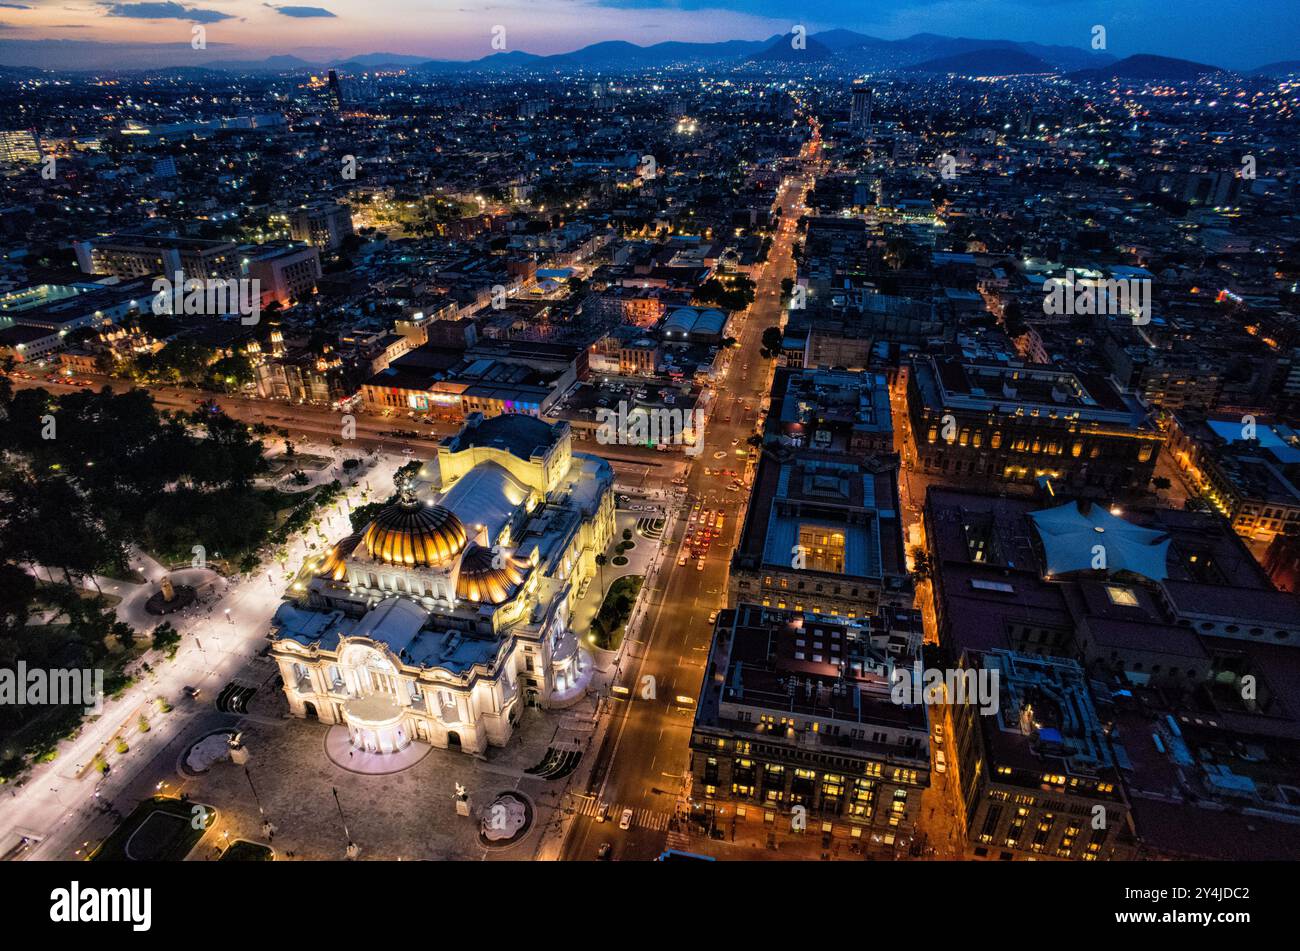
[451,609]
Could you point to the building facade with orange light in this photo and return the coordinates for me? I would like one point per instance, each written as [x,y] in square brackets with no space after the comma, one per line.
[1247,467]
[1006,423]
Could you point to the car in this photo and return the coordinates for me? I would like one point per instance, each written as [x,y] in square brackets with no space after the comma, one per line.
[606,849]
[408,451]
[699,565]
[713,616]
[681,561]
[192,692]
[602,812]
[625,820]
[940,761]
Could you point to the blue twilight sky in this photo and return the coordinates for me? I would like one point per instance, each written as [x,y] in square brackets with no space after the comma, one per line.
[1230,33]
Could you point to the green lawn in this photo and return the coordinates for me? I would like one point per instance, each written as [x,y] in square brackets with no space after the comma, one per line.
[607,626]
[158,830]
[241,850]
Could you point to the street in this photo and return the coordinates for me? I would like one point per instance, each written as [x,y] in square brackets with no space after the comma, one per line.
[643,762]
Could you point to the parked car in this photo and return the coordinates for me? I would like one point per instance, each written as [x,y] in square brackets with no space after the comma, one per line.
[940,761]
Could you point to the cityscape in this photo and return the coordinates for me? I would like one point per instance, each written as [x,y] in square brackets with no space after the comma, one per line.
[749,439]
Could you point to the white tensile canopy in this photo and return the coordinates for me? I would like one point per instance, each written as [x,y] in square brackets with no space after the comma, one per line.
[1072,532]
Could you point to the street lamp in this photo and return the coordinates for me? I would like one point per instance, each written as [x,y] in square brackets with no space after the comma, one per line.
[353,850]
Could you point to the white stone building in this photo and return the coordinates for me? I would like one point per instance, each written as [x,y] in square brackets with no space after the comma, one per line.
[451,609]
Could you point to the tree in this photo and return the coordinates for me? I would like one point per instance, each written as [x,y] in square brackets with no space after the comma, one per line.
[773,339]
[600,563]
[17,591]
[166,638]
[124,634]
[896,253]
[363,515]
[922,569]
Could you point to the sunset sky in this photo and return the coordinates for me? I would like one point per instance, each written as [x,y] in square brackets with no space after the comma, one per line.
[1240,34]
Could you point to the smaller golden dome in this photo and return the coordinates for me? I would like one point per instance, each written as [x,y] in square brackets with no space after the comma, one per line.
[485,578]
[335,565]
[408,533]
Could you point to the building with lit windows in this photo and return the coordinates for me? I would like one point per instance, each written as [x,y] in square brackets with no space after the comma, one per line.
[860,117]
[149,255]
[1186,650]
[449,612]
[822,532]
[323,224]
[1247,468]
[999,423]
[1038,777]
[19,146]
[798,713]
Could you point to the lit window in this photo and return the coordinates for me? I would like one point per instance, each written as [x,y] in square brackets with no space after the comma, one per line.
[1125,597]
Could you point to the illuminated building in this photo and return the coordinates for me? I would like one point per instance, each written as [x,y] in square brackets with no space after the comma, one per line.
[450,610]
[800,714]
[996,423]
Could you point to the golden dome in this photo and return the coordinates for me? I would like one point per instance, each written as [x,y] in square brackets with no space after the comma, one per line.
[485,578]
[408,533]
[335,564]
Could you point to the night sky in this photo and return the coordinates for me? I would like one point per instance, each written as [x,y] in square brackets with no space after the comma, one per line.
[1231,33]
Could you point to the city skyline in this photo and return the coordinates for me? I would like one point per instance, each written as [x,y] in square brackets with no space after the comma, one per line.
[620,432]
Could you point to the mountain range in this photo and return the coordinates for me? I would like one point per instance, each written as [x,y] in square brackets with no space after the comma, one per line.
[853,52]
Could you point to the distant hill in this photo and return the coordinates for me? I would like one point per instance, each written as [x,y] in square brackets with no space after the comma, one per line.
[272,64]
[782,50]
[1288,67]
[846,50]
[620,53]
[862,52]
[372,60]
[1145,66]
[494,62]
[987,62]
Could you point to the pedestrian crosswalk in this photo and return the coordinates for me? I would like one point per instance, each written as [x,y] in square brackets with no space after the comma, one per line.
[679,841]
[641,818]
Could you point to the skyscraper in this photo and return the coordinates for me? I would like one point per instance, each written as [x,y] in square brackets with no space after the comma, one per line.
[860,118]
[336,92]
